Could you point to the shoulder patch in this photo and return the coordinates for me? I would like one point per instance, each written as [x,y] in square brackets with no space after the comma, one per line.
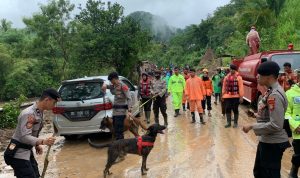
[30,121]
[125,88]
[271,103]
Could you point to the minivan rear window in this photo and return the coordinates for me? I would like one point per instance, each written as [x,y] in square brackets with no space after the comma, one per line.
[80,91]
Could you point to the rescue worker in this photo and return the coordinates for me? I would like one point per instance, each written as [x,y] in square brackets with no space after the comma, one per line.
[159,89]
[288,78]
[195,93]
[273,139]
[216,79]
[186,76]
[292,114]
[145,95]
[253,40]
[209,90]
[176,88]
[122,103]
[19,154]
[232,94]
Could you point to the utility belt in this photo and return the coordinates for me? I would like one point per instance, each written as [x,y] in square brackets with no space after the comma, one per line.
[12,148]
[120,106]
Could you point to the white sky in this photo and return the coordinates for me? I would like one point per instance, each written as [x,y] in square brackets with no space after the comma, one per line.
[178,13]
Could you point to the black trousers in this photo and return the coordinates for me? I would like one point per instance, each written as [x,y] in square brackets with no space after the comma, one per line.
[268,159]
[147,106]
[206,101]
[232,104]
[118,123]
[296,155]
[217,97]
[24,168]
[160,103]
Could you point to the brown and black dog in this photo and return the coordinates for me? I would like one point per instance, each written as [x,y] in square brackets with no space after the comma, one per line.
[131,125]
[132,146]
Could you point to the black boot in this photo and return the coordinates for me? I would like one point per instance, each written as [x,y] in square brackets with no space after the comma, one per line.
[193,117]
[201,119]
[156,120]
[147,114]
[183,107]
[188,106]
[236,117]
[294,172]
[176,112]
[165,121]
[228,116]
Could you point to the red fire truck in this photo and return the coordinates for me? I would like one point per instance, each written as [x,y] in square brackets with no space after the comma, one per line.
[248,69]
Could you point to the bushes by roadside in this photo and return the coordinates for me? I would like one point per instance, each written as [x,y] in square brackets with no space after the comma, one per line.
[10,113]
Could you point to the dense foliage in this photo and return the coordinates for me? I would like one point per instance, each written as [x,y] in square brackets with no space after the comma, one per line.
[225,31]
[56,45]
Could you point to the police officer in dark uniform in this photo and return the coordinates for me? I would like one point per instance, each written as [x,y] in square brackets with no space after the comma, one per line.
[273,139]
[19,153]
[159,89]
[122,103]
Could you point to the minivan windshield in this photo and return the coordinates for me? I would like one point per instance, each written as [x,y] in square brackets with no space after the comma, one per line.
[80,91]
[280,59]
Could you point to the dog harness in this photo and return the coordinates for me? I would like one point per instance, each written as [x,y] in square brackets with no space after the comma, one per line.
[142,144]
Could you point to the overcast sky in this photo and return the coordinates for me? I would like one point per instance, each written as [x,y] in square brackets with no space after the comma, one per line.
[178,13]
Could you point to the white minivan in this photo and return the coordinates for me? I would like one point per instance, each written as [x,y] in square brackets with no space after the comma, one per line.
[84,105]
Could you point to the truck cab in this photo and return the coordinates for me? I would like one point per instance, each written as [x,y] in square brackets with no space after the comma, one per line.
[247,68]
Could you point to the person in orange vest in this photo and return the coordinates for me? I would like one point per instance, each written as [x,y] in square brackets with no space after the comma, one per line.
[195,93]
[232,95]
[209,90]
[253,40]
[288,78]
[186,76]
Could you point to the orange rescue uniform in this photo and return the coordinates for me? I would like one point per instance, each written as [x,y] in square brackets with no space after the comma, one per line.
[195,92]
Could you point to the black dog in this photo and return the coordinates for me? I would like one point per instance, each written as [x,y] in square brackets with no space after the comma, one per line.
[141,146]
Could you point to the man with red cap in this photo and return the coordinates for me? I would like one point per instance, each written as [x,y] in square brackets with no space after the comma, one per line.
[253,40]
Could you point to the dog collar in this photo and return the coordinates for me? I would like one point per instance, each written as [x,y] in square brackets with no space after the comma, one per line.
[141,144]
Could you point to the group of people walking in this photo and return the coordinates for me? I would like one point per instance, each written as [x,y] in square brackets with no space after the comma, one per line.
[193,91]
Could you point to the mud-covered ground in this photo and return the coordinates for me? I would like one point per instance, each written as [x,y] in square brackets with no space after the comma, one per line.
[185,150]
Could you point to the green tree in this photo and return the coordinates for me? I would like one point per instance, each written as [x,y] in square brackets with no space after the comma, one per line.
[54,32]
[5,25]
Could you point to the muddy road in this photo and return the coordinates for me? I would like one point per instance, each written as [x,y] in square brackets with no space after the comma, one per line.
[185,151]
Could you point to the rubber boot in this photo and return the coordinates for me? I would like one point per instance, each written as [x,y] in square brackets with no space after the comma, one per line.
[193,117]
[201,119]
[148,114]
[294,172]
[183,107]
[156,120]
[236,117]
[176,112]
[228,116]
[165,121]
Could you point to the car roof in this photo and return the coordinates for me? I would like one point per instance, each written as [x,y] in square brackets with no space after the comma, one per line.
[103,77]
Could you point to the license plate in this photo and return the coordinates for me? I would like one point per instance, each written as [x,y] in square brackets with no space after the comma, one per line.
[85,113]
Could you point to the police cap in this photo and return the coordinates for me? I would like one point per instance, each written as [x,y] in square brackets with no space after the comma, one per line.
[52,93]
[268,68]
[233,67]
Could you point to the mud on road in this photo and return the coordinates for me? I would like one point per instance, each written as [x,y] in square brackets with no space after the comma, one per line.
[185,150]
